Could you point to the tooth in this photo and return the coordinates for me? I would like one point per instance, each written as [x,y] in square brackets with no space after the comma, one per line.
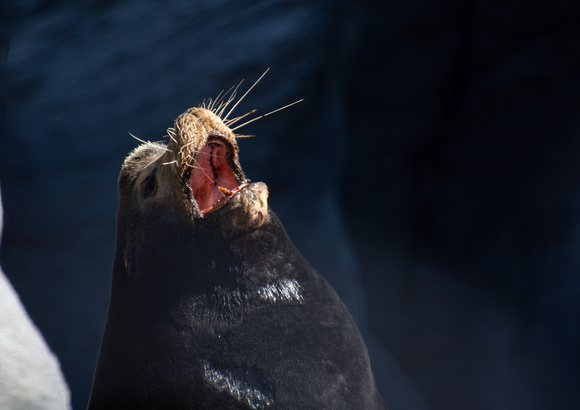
[225,190]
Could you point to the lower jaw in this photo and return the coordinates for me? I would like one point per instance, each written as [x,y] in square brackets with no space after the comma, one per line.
[227,195]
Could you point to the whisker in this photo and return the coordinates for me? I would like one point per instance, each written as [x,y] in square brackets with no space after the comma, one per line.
[217,99]
[171,134]
[220,98]
[246,93]
[138,139]
[265,115]
[147,142]
[234,120]
[220,110]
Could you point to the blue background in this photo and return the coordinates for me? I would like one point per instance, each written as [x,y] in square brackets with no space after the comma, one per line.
[431,174]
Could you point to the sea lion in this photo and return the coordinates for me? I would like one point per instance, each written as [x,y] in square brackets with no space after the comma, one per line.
[212,306]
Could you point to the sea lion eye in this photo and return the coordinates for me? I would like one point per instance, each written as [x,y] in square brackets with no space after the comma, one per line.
[150,185]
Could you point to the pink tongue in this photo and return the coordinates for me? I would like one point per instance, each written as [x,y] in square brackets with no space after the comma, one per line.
[209,172]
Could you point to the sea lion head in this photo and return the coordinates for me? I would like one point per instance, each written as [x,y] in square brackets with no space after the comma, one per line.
[198,173]
[193,187]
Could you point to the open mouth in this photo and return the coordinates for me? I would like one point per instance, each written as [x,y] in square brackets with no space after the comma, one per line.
[212,181]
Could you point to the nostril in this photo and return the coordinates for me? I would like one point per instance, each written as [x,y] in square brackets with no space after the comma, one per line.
[215,145]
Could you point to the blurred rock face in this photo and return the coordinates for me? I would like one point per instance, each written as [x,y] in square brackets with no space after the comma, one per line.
[429,175]
[30,376]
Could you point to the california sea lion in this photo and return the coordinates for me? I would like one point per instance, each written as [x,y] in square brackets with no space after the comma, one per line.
[212,306]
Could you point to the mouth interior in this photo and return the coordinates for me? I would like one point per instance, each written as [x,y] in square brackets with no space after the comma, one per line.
[212,181]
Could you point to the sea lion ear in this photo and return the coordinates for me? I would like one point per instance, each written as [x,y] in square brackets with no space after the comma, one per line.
[130,262]
[129,256]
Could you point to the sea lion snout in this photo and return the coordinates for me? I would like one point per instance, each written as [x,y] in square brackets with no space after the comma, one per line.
[205,151]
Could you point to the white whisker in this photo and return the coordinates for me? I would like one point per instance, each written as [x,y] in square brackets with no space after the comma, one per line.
[217,99]
[147,142]
[265,115]
[138,139]
[223,105]
[246,93]
[171,134]
[234,120]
